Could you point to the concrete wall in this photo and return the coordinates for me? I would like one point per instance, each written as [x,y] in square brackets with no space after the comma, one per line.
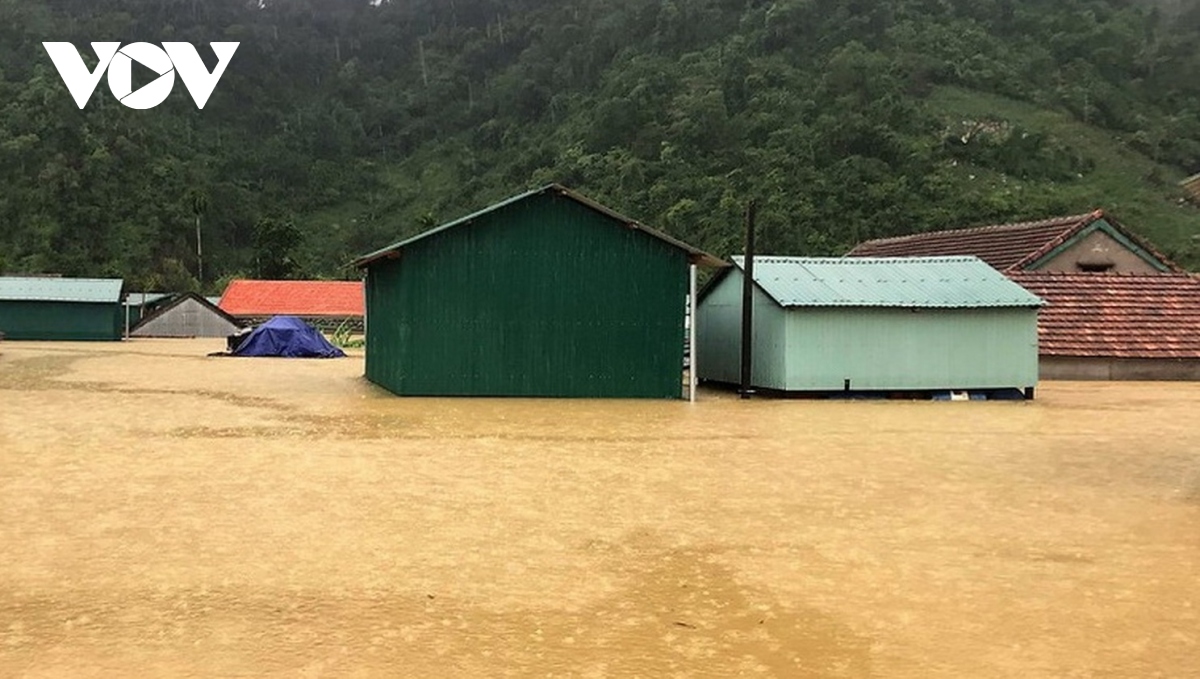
[1098,247]
[1119,369]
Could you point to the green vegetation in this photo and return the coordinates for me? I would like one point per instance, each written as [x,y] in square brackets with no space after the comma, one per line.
[343,337]
[343,125]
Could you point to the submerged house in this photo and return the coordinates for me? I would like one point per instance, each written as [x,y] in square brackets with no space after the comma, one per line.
[1091,243]
[546,294]
[324,304]
[139,305]
[1118,327]
[52,308]
[1079,266]
[187,315]
[872,325]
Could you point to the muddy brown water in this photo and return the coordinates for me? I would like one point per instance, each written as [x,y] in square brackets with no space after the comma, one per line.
[164,514]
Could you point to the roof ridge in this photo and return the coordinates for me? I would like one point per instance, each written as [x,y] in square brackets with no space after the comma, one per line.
[1107,274]
[1066,220]
[860,260]
[1060,239]
[178,300]
[695,254]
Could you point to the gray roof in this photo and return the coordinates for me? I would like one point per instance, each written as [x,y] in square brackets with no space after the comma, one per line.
[697,256]
[906,282]
[53,289]
[143,298]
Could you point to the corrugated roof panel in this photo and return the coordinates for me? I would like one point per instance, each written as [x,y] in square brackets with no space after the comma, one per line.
[927,282]
[698,256]
[48,289]
[144,298]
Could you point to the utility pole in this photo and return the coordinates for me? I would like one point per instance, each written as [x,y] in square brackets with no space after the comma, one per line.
[747,389]
[199,253]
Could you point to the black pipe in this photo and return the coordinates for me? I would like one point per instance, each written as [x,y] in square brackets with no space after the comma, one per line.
[748,305]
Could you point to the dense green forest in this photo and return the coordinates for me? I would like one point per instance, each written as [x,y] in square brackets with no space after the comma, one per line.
[343,125]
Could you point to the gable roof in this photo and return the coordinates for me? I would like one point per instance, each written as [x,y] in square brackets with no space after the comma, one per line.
[1117,315]
[1012,247]
[697,256]
[55,289]
[929,282]
[293,298]
[180,299]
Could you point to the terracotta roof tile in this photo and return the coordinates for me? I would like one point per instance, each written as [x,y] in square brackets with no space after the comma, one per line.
[1004,246]
[293,298]
[1007,247]
[1117,315]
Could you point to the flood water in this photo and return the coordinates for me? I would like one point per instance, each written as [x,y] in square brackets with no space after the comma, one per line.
[164,514]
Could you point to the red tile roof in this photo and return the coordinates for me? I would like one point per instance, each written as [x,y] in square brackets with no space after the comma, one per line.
[1117,315]
[1007,247]
[293,298]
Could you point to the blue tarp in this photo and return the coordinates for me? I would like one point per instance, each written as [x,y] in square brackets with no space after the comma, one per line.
[289,337]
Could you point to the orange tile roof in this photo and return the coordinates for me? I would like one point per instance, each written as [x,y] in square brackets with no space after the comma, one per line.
[1117,315]
[1007,247]
[293,298]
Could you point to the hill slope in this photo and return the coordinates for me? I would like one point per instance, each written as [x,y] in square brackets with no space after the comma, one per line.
[342,125]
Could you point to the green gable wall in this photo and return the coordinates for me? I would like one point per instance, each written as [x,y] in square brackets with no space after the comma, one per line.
[543,297]
[68,321]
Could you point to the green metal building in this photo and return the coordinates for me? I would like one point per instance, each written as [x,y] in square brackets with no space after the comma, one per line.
[872,325]
[547,294]
[75,309]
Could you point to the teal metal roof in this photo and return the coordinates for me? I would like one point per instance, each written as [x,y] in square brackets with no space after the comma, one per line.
[907,282]
[36,289]
[697,256]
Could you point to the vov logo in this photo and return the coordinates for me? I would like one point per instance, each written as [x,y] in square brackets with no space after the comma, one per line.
[166,61]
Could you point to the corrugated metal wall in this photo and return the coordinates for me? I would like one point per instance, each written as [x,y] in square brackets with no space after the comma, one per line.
[884,349]
[543,297]
[899,349]
[69,321]
[719,336]
[189,318]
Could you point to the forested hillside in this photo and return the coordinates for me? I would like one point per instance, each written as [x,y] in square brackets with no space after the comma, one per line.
[342,125]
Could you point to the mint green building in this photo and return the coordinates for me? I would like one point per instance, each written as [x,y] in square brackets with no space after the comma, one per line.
[866,325]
